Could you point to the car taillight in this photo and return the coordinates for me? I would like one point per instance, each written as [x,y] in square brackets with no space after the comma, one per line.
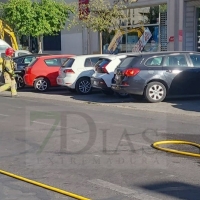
[104,69]
[131,72]
[68,71]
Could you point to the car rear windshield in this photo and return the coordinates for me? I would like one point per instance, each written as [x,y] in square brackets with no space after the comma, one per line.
[68,63]
[127,62]
[102,62]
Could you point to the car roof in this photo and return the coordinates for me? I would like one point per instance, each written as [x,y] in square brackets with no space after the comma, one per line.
[34,54]
[114,56]
[160,53]
[91,55]
[56,55]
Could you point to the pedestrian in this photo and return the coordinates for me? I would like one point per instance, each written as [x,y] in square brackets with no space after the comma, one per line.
[8,70]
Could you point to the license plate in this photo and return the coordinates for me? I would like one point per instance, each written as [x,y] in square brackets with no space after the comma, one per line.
[95,83]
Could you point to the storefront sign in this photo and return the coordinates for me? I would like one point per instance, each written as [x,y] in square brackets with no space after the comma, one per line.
[171,39]
[142,41]
[180,35]
[83,9]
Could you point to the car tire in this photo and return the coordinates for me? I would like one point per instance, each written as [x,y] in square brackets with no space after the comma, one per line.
[83,86]
[137,97]
[19,81]
[108,92]
[41,84]
[155,92]
[122,95]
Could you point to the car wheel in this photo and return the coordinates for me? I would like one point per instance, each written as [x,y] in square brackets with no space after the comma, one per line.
[108,92]
[83,86]
[19,81]
[155,92]
[41,84]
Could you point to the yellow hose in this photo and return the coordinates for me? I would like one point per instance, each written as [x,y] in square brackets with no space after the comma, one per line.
[44,186]
[156,146]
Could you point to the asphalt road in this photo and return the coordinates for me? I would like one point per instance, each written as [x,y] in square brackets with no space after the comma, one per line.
[97,151]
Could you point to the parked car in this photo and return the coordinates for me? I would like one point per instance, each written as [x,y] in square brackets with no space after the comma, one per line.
[159,74]
[76,72]
[104,73]
[22,62]
[42,72]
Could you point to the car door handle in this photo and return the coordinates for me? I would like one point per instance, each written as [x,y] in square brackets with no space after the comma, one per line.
[175,71]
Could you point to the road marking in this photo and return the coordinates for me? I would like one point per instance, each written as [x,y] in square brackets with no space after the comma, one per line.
[137,143]
[138,194]
[43,123]
[4,115]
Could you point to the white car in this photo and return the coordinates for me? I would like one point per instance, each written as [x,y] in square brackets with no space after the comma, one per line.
[75,73]
[104,73]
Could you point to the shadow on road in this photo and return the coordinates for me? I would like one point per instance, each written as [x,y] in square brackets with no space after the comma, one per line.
[182,103]
[175,189]
[96,96]
[187,103]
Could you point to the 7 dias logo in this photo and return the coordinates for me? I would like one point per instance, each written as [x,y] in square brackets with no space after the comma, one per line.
[57,131]
[76,140]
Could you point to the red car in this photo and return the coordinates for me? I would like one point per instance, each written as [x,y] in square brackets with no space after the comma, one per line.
[43,71]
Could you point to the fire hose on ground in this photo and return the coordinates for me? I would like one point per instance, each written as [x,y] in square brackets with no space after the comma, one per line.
[48,187]
[157,145]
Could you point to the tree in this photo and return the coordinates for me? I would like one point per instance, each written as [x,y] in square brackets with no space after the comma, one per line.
[36,18]
[99,16]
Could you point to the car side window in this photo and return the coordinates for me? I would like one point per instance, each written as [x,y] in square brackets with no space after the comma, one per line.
[155,61]
[195,60]
[176,60]
[18,60]
[28,60]
[53,62]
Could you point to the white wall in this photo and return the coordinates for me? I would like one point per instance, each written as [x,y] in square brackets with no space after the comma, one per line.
[71,43]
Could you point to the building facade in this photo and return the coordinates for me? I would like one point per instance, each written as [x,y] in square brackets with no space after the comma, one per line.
[175,28]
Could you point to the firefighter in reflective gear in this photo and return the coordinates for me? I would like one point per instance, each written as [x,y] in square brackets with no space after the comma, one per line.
[8,69]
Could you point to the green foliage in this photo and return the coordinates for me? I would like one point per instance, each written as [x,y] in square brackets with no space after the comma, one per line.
[163,8]
[18,14]
[102,15]
[36,18]
[49,17]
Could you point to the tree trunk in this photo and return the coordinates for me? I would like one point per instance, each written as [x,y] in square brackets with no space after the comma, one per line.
[101,42]
[39,44]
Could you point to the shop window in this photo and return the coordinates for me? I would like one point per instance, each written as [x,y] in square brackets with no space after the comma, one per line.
[133,29]
[52,43]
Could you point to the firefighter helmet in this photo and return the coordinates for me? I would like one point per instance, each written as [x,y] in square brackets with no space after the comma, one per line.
[9,51]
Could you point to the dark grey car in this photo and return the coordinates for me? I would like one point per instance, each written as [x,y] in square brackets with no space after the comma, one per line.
[159,74]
